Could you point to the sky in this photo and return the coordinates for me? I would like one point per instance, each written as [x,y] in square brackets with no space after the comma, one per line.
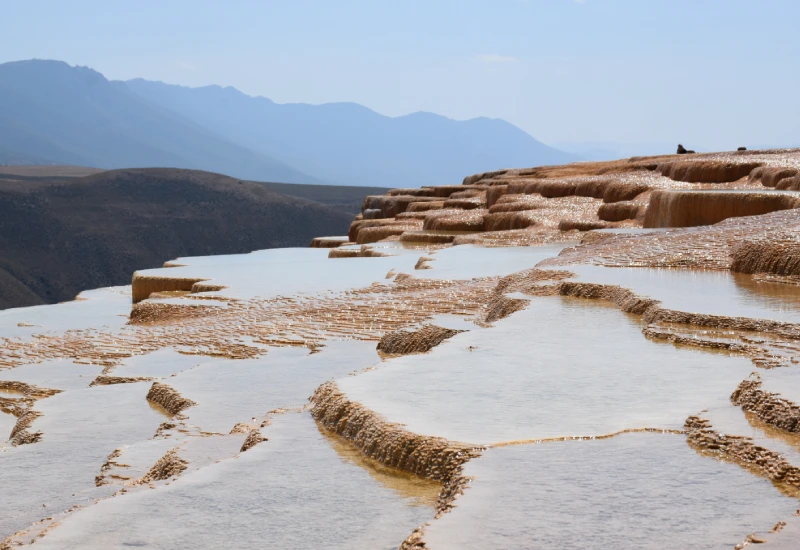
[711,74]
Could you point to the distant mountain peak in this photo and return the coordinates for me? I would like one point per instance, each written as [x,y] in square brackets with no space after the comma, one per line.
[70,115]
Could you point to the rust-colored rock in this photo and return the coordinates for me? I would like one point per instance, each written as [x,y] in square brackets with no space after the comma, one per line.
[169,465]
[390,444]
[582,225]
[618,211]
[500,307]
[494,193]
[623,191]
[21,433]
[168,398]
[144,285]
[253,438]
[151,313]
[425,206]
[422,192]
[429,237]
[702,436]
[103,380]
[771,176]
[404,342]
[469,220]
[369,235]
[471,180]
[693,208]
[466,204]
[503,221]
[707,171]
[769,407]
[767,256]
[328,242]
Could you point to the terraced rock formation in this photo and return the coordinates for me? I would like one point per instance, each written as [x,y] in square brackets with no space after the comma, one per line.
[453,389]
[551,203]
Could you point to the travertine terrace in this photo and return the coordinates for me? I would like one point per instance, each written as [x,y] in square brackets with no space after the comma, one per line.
[437,378]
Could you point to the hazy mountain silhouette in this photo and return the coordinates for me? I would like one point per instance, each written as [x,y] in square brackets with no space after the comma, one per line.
[52,112]
[348,143]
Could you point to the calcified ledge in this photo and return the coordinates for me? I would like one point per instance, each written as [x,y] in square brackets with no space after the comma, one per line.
[768,407]
[169,465]
[774,256]
[168,398]
[652,311]
[692,208]
[403,342]
[742,450]
[142,286]
[433,458]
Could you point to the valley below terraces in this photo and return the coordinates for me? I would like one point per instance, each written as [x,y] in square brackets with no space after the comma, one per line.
[592,355]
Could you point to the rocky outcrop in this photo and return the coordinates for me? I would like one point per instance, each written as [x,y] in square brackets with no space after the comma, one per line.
[328,242]
[253,438]
[742,450]
[772,176]
[652,312]
[404,342]
[707,171]
[582,225]
[151,313]
[142,286]
[391,205]
[501,307]
[168,398]
[390,444]
[623,191]
[457,220]
[104,380]
[693,208]
[27,390]
[772,256]
[21,433]
[504,221]
[618,211]
[169,465]
[770,408]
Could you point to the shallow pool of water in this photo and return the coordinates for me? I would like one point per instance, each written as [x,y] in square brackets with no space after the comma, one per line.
[468,261]
[7,423]
[785,382]
[636,491]
[103,307]
[228,392]
[58,374]
[284,272]
[293,491]
[563,367]
[81,428]
[699,291]
[161,363]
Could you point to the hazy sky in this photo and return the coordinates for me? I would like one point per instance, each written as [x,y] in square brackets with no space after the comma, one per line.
[710,73]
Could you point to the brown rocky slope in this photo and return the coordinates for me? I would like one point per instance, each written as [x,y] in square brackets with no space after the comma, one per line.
[61,236]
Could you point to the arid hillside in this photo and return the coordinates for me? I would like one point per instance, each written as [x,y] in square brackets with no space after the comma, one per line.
[62,235]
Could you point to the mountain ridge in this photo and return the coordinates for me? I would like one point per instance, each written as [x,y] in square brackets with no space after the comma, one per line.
[349,142]
[55,113]
[87,119]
